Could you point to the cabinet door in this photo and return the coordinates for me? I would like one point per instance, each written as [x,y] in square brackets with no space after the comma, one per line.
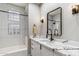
[58,54]
[35,48]
[46,51]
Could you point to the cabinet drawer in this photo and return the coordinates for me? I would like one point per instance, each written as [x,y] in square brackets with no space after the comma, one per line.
[35,44]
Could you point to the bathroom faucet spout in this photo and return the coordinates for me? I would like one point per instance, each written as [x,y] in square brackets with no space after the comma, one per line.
[50,35]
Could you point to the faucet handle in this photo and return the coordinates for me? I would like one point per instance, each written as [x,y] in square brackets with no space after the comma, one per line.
[50,31]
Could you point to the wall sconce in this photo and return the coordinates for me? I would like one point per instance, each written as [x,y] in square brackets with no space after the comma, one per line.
[75,9]
[42,20]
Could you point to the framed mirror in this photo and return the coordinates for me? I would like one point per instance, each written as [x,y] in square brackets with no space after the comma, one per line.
[54,22]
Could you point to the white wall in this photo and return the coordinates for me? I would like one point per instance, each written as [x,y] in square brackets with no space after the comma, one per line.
[70,22]
[34,16]
[10,40]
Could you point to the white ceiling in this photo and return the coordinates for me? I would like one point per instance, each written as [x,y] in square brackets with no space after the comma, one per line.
[24,4]
[20,4]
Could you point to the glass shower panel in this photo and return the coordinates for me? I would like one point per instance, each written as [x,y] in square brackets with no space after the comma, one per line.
[12,29]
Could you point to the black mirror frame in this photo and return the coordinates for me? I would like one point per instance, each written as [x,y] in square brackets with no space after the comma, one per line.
[60,20]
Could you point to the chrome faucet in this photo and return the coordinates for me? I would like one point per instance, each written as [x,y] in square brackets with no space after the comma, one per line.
[50,35]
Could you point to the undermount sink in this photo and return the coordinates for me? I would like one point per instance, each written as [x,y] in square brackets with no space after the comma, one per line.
[61,40]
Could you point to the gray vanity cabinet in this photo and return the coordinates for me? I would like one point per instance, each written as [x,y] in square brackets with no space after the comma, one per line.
[35,48]
[39,50]
[46,51]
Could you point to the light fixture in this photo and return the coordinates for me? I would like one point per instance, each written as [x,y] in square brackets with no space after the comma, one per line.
[75,9]
[42,20]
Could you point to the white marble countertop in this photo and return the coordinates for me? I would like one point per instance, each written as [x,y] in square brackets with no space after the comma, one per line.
[70,48]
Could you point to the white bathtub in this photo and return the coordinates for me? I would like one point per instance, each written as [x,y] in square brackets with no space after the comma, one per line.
[19,50]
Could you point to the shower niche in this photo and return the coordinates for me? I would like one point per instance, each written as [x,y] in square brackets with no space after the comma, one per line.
[54,22]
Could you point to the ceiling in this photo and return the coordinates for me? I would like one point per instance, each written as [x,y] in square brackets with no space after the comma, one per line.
[24,4]
[20,4]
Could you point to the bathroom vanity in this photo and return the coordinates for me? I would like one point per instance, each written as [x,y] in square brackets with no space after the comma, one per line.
[38,49]
[50,46]
[44,47]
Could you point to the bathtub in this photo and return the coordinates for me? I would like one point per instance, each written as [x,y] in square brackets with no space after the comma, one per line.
[19,50]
